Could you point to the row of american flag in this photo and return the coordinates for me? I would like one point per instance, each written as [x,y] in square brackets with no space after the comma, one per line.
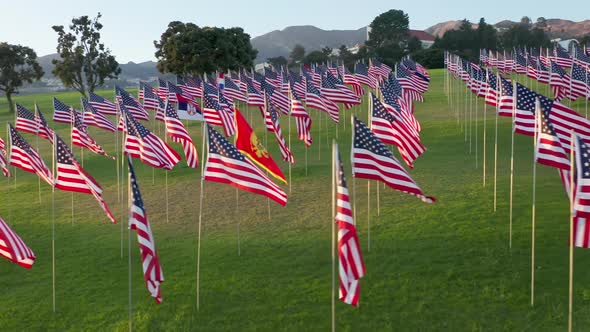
[275,93]
[551,122]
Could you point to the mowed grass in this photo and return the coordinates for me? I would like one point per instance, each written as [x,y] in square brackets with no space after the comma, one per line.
[431,267]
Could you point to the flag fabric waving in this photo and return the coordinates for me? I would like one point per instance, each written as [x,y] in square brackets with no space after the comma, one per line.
[351,266]
[102,105]
[225,164]
[80,137]
[94,118]
[3,162]
[276,128]
[138,221]
[61,112]
[26,121]
[581,193]
[372,160]
[302,118]
[13,248]
[176,130]
[44,130]
[70,176]
[23,156]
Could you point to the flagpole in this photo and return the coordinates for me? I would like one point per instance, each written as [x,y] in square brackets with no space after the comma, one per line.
[122,177]
[470,109]
[465,110]
[369,106]
[290,183]
[352,166]
[333,246]
[238,217]
[200,213]
[485,116]
[571,262]
[52,219]
[165,171]
[72,114]
[38,151]
[129,250]
[536,135]
[476,124]
[498,96]
[514,96]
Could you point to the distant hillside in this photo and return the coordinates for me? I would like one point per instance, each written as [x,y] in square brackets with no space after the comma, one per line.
[281,42]
[129,71]
[556,28]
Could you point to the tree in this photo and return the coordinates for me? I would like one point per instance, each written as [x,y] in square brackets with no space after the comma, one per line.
[18,64]
[277,62]
[316,57]
[414,44]
[526,21]
[297,53]
[85,62]
[388,36]
[541,22]
[185,48]
[347,58]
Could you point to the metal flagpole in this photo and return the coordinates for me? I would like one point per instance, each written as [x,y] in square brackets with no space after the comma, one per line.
[536,135]
[333,228]
[129,250]
[200,213]
[514,95]
[571,265]
[52,219]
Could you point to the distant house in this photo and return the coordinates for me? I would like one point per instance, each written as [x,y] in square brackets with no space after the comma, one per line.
[426,38]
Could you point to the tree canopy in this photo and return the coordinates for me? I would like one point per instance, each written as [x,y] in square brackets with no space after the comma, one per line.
[85,61]
[388,36]
[18,64]
[297,53]
[185,48]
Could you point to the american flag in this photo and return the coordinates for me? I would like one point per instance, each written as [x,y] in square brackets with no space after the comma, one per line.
[378,69]
[520,66]
[314,99]
[406,90]
[162,89]
[543,75]
[210,90]
[506,98]
[3,163]
[581,58]
[561,57]
[351,267]
[175,93]
[298,84]
[372,160]
[102,105]
[361,73]
[138,221]
[151,101]
[26,121]
[276,128]
[80,137]
[61,112]
[302,119]
[257,80]
[179,134]
[194,86]
[349,78]
[254,98]
[582,193]
[94,118]
[337,92]
[216,115]
[182,85]
[44,130]
[131,104]
[524,116]
[396,105]
[150,149]
[393,131]
[549,150]
[271,77]
[532,68]
[276,97]
[13,248]
[409,80]
[579,87]
[559,81]
[70,176]
[23,156]
[233,90]
[225,164]
[493,91]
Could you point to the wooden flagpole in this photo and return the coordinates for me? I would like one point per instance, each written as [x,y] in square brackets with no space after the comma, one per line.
[52,220]
[514,95]
[238,226]
[485,116]
[38,151]
[369,106]
[320,136]
[129,253]
[72,110]
[120,169]
[165,171]
[468,91]
[476,124]
[333,228]
[571,222]
[498,95]
[464,91]
[536,135]
[352,166]
[290,182]
[200,213]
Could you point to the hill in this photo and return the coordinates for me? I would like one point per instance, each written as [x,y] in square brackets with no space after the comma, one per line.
[281,42]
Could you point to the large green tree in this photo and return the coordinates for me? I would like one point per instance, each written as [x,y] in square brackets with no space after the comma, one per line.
[18,64]
[389,36]
[347,57]
[297,53]
[185,48]
[85,61]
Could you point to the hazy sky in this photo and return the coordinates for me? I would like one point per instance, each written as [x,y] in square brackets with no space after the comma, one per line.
[130,26]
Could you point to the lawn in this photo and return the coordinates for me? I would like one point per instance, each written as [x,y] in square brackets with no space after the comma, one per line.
[431,267]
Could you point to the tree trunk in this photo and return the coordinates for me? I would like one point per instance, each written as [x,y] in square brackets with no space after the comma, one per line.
[10,103]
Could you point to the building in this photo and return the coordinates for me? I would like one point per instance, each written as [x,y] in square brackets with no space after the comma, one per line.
[424,37]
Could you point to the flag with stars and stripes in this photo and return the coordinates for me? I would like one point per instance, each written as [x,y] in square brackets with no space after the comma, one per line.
[92,117]
[561,57]
[194,86]
[361,72]
[302,118]
[101,104]
[372,160]
[253,96]
[350,79]
[151,101]
[579,86]
[280,100]
[138,221]
[61,112]
[131,104]
[393,103]
[559,81]
[506,107]
[26,121]
[276,128]
[337,92]
[225,164]
[70,176]
[176,130]
[13,248]
[44,130]
[314,99]
[80,137]
[215,114]
[351,267]
[3,162]
[393,131]
[549,149]
[23,156]
[581,193]
[233,90]
[142,144]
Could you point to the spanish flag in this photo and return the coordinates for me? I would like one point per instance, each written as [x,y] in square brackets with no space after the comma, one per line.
[247,142]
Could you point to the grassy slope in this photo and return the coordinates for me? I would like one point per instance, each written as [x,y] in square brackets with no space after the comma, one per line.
[445,266]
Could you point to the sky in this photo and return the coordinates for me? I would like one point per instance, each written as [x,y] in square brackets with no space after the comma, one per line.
[130,27]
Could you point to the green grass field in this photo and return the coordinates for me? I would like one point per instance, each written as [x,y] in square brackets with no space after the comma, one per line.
[432,267]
